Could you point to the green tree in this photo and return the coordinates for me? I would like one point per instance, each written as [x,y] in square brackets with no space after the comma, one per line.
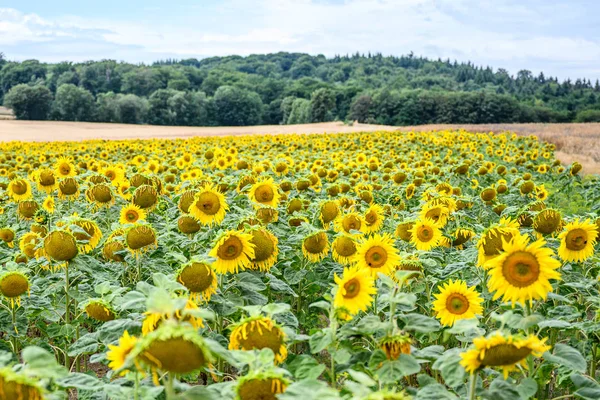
[300,113]
[131,109]
[361,109]
[237,107]
[322,104]
[286,108]
[106,107]
[29,102]
[588,116]
[73,103]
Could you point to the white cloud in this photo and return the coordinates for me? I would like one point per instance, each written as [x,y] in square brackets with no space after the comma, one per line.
[462,29]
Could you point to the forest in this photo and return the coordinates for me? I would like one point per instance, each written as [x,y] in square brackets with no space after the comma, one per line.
[291,88]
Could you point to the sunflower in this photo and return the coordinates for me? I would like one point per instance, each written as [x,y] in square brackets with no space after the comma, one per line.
[19,189]
[28,244]
[113,251]
[27,209]
[315,247]
[60,246]
[403,230]
[377,254]
[259,333]
[373,218]
[99,310]
[265,249]
[145,197]
[354,291]
[117,355]
[425,234]
[437,213]
[343,249]
[87,233]
[101,195]
[208,206]
[462,236]
[504,352]
[68,188]
[394,345]
[577,241]
[64,168]
[140,238]
[491,241]
[46,181]
[351,223]
[328,212]
[456,301]
[263,385]
[130,214]
[154,319]
[187,225]
[233,250]
[49,204]
[522,271]
[200,280]
[547,221]
[13,285]
[265,192]
[19,386]
[7,235]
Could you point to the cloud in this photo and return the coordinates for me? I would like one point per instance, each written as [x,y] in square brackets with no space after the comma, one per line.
[499,33]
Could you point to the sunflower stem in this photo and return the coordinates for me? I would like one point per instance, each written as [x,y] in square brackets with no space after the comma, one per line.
[593,365]
[67,316]
[15,341]
[333,327]
[136,386]
[472,387]
[169,387]
[393,323]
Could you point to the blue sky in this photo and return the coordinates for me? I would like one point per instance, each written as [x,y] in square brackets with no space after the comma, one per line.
[559,37]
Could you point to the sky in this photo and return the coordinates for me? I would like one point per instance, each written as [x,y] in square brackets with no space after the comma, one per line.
[559,37]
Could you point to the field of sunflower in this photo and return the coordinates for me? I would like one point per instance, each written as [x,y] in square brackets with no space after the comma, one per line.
[375,266]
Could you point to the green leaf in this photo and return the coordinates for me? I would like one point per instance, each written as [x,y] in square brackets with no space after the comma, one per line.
[80,381]
[502,390]
[449,365]
[392,370]
[567,356]
[420,323]
[87,344]
[435,392]
[306,367]
[317,390]
[276,308]
[527,388]
[361,378]
[250,282]
[320,340]
[342,356]
[554,323]
[587,388]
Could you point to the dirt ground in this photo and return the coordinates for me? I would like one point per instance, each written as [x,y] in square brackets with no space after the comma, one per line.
[574,142]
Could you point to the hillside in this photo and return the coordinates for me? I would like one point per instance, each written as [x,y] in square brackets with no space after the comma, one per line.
[292,88]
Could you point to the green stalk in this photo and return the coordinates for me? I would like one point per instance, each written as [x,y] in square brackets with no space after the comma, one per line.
[15,341]
[136,386]
[333,327]
[393,323]
[169,388]
[67,316]
[472,387]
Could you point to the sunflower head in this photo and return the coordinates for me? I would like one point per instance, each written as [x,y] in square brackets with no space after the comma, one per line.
[209,206]
[577,240]
[259,332]
[354,291]
[261,385]
[234,251]
[502,351]
[265,249]
[267,215]
[19,189]
[188,225]
[456,301]
[343,249]
[130,214]
[7,235]
[140,238]
[60,246]
[68,188]
[377,254]
[425,234]
[186,200]
[27,209]
[394,345]
[14,284]
[373,218]
[547,221]
[145,197]
[462,236]
[315,247]
[99,310]
[173,348]
[329,212]
[351,224]
[113,250]
[265,192]
[199,278]
[403,230]
[19,386]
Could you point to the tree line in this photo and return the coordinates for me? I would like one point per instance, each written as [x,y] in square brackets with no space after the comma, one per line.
[291,88]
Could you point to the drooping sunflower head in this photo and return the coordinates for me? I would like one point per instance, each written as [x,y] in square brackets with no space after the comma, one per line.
[411,267]
[351,223]
[377,254]
[140,238]
[178,312]
[435,212]
[394,345]
[60,246]
[186,200]
[178,349]
[209,206]
[259,332]
[86,232]
[343,249]
[19,189]
[13,285]
[523,270]
[456,301]
[547,221]
[425,234]
[27,209]
[188,225]
[267,215]
[99,310]
[502,351]
[404,230]
[491,241]
[373,218]
[131,214]
[261,385]
[199,278]
[329,211]
[145,197]
[18,386]
[7,235]
[28,244]
[462,236]
[265,249]
[101,195]
[46,180]
[68,188]
[577,240]
[233,251]
[354,290]
[113,250]
[64,167]
[265,192]
[315,247]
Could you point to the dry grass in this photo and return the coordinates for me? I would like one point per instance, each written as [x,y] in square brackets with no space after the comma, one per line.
[574,142]
[5,113]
